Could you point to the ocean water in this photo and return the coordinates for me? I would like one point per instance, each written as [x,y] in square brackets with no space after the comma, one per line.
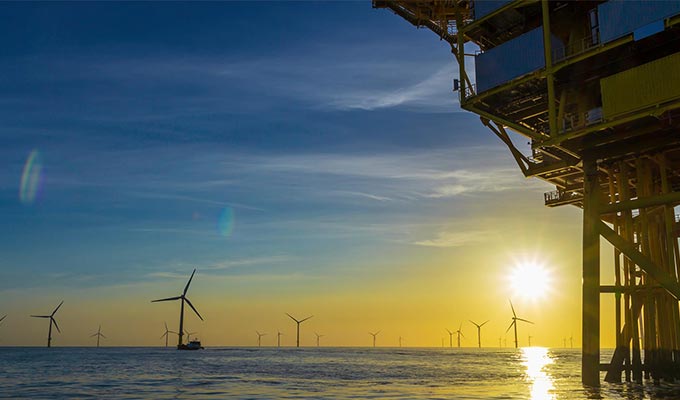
[317,373]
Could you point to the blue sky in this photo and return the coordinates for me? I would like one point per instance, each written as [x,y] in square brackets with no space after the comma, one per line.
[256,141]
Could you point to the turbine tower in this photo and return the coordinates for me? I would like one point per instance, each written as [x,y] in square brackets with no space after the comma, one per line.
[450,337]
[183,299]
[298,322]
[317,338]
[259,338]
[99,334]
[166,334]
[530,340]
[479,331]
[52,321]
[514,324]
[399,341]
[374,336]
[460,333]
[278,338]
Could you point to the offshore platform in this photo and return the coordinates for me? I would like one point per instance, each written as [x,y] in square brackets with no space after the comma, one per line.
[595,87]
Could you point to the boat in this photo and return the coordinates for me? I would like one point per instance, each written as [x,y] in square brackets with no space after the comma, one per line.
[192,345]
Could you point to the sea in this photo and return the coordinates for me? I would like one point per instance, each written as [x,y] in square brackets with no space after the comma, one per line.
[305,373]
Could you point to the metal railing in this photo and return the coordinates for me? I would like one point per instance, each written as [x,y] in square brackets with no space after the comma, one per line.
[561,196]
[576,48]
[469,91]
[573,121]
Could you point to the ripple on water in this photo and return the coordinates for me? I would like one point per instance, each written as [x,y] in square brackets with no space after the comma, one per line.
[347,373]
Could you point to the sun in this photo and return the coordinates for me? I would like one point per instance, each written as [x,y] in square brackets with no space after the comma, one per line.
[530,280]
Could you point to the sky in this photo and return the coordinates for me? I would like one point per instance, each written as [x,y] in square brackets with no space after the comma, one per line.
[306,158]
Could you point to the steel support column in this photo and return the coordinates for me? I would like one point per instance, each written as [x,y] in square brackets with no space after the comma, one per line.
[590,368]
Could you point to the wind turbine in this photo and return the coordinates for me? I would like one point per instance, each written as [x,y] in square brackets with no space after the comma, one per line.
[317,338]
[564,340]
[374,336]
[99,334]
[189,335]
[278,338]
[181,310]
[460,333]
[298,322]
[514,323]
[530,340]
[259,338]
[450,337]
[479,331]
[52,321]
[399,341]
[3,317]
[500,340]
[571,341]
[166,334]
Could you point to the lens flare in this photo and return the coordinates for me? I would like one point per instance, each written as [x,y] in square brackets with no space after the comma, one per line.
[225,222]
[31,178]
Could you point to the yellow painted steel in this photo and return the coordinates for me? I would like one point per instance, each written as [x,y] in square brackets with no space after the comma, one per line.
[638,88]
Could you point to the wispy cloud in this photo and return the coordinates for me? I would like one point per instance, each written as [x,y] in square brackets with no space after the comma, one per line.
[228,264]
[364,195]
[455,239]
[432,91]
[178,270]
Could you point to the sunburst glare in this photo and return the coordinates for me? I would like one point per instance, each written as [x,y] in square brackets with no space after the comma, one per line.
[530,280]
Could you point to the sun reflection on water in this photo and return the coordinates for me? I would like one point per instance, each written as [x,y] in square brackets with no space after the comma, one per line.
[535,359]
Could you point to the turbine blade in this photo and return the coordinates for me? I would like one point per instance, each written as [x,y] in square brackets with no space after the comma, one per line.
[93,335]
[473,323]
[2,318]
[189,283]
[484,323]
[450,333]
[461,326]
[524,320]
[164,335]
[461,334]
[102,335]
[40,316]
[511,324]
[167,299]
[55,310]
[306,319]
[293,318]
[193,308]
[166,325]
[513,308]
[377,333]
[55,324]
